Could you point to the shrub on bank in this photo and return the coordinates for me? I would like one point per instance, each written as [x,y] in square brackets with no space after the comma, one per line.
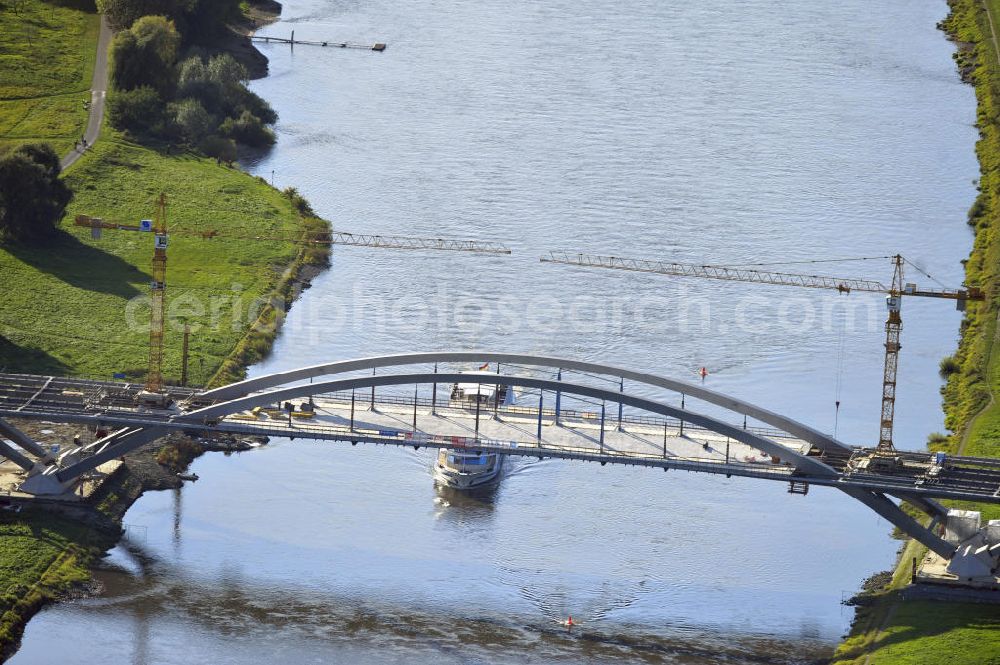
[193,120]
[138,112]
[248,130]
[948,366]
[298,201]
[178,455]
[222,149]
[208,101]
[937,441]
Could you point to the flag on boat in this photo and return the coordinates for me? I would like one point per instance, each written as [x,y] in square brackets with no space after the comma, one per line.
[484,366]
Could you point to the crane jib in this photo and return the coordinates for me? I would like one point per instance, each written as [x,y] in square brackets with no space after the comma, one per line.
[893,324]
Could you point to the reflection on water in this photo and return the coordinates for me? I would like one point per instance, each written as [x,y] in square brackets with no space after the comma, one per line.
[709,131]
[317,625]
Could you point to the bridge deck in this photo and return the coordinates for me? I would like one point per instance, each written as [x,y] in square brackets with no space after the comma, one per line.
[518,427]
[643,440]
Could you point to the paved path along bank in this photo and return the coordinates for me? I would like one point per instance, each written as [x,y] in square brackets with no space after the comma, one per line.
[98,93]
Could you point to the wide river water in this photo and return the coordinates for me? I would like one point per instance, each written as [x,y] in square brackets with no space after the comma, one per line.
[715,132]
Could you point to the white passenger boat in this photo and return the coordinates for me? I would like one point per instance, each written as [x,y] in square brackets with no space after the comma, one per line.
[466,469]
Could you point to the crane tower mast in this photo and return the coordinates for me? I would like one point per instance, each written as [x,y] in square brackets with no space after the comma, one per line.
[158,287]
[893,326]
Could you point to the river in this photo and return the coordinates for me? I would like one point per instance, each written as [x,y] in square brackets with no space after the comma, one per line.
[714,132]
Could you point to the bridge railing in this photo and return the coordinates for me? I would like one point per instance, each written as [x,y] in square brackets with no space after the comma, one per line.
[393,436]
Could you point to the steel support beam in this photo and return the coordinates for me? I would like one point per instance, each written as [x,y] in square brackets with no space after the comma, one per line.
[927,505]
[124,443]
[24,441]
[15,457]
[911,527]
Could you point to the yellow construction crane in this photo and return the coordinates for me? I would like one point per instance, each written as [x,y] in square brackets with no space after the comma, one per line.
[894,294]
[153,394]
[158,227]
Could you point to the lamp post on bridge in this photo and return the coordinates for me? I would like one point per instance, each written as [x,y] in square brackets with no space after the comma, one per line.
[416,387]
[479,401]
[434,393]
[602,427]
[541,397]
[558,397]
[682,417]
[621,390]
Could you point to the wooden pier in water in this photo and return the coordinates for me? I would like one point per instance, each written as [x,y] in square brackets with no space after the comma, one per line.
[291,41]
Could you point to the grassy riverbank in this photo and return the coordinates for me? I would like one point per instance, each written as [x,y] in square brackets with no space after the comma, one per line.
[891,631]
[971,407]
[79,306]
[42,556]
[47,52]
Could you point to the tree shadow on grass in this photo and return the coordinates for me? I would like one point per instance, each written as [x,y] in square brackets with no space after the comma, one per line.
[80,265]
[931,617]
[82,5]
[14,358]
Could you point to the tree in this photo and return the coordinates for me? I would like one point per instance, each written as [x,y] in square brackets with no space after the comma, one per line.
[193,81]
[123,13]
[201,20]
[138,111]
[194,121]
[158,36]
[145,55]
[127,71]
[227,72]
[32,197]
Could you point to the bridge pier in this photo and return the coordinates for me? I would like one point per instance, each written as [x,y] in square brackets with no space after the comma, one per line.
[55,480]
[45,483]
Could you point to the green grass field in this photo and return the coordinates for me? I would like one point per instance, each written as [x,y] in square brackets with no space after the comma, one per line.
[47,52]
[933,633]
[921,632]
[80,306]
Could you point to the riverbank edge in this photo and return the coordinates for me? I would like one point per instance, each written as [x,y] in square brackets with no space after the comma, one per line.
[971,373]
[70,575]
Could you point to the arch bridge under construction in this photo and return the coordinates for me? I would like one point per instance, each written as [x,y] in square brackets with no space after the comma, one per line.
[567,409]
